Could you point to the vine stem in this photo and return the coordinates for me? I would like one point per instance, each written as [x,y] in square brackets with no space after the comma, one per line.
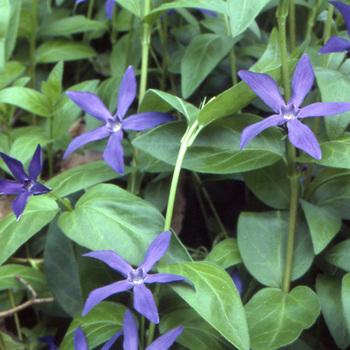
[291,22]
[32,49]
[64,202]
[232,54]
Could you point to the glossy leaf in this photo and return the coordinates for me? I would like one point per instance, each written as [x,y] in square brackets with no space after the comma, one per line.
[262,239]
[276,319]
[339,255]
[107,209]
[345,297]
[214,297]
[12,71]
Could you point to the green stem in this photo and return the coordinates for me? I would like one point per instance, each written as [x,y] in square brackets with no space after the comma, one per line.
[311,20]
[128,47]
[327,33]
[114,33]
[232,54]
[32,49]
[17,323]
[50,146]
[291,22]
[163,34]
[64,201]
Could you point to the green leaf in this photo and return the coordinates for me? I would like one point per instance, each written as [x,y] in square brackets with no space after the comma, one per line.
[39,211]
[108,217]
[156,100]
[242,13]
[12,30]
[323,225]
[25,98]
[339,255]
[135,7]
[202,55]
[334,87]
[70,25]
[61,267]
[216,148]
[329,291]
[270,184]
[197,333]
[225,253]
[53,87]
[276,319]
[262,240]
[12,71]
[214,297]
[99,325]
[345,297]
[59,50]
[5,10]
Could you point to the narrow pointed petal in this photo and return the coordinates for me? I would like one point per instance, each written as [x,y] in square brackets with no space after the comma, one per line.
[164,278]
[265,87]
[99,294]
[251,131]
[144,303]
[130,332]
[322,109]
[15,166]
[301,136]
[345,11]
[113,154]
[93,135]
[79,1]
[156,250]
[35,165]
[303,79]
[147,120]
[165,341]
[19,204]
[111,341]
[112,259]
[109,7]
[237,281]
[10,187]
[39,188]
[80,342]
[335,44]
[90,104]
[127,92]
[208,12]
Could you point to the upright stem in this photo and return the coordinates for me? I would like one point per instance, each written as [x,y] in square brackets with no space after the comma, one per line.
[291,22]
[232,54]
[327,32]
[18,325]
[32,47]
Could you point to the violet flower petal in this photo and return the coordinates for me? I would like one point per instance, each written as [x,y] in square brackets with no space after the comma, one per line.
[321,109]
[208,12]
[10,187]
[35,165]
[335,44]
[15,166]
[109,7]
[79,1]
[130,332]
[303,79]
[90,104]
[345,11]
[237,281]
[39,188]
[113,154]
[80,342]
[147,120]
[164,278]
[156,250]
[112,259]
[301,136]
[251,131]
[93,135]
[127,92]
[265,87]
[165,341]
[144,303]
[111,341]
[99,294]
[19,204]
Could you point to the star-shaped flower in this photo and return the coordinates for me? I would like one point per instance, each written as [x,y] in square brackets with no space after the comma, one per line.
[109,6]
[336,44]
[114,125]
[26,185]
[299,134]
[80,342]
[135,278]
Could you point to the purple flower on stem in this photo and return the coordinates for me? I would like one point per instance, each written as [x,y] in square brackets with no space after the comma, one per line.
[299,134]
[80,342]
[109,6]
[114,125]
[135,278]
[335,44]
[26,185]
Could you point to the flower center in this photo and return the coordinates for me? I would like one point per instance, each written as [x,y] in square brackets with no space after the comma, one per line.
[290,112]
[113,125]
[137,276]
[28,184]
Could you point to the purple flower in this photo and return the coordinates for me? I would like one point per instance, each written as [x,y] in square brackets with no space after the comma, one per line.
[109,6]
[50,341]
[299,134]
[335,44]
[26,185]
[114,125]
[237,281]
[80,342]
[135,278]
